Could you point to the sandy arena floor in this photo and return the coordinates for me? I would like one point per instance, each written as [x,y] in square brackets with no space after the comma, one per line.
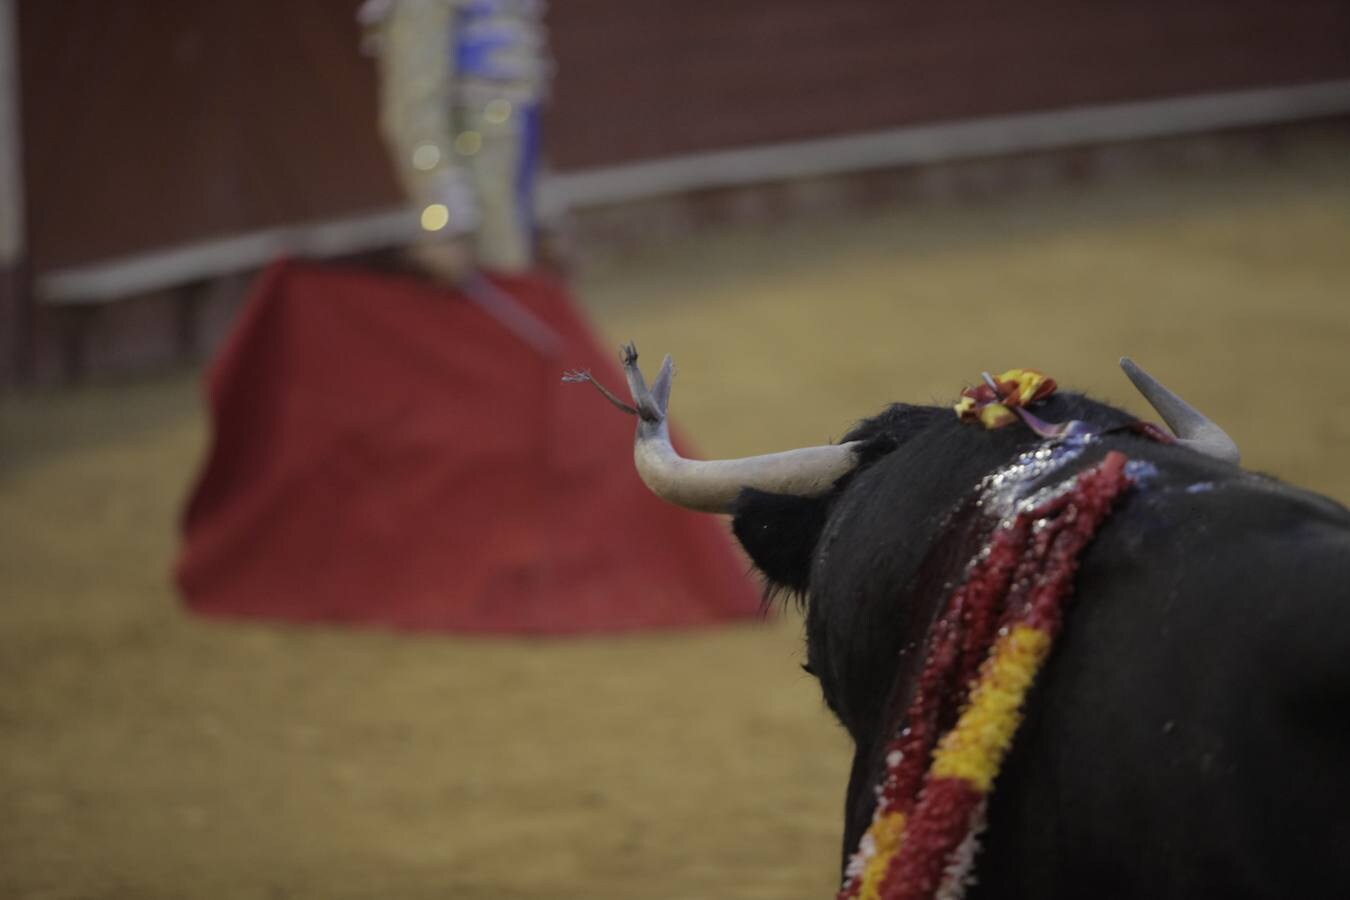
[145,754]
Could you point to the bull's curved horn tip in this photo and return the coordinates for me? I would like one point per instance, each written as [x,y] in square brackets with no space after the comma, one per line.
[1192,428]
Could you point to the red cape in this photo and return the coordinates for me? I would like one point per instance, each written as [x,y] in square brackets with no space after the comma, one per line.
[387,453]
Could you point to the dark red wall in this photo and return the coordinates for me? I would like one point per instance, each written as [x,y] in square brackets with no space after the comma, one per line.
[157,122]
[658,77]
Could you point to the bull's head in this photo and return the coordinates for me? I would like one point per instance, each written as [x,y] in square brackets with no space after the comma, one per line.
[714,485]
[789,506]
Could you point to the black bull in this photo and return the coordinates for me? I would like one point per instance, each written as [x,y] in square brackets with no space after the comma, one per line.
[1189,735]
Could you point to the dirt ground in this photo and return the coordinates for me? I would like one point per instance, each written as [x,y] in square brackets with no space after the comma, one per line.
[146,754]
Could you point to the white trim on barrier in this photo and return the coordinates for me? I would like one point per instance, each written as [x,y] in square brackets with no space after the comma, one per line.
[103,282]
[938,142]
[952,141]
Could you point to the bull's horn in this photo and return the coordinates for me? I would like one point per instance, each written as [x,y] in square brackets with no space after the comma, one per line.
[1187,423]
[712,485]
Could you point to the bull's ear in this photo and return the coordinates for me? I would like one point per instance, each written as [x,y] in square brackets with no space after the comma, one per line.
[780,532]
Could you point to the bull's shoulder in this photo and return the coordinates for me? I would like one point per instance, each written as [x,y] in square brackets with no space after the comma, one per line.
[1232,575]
[1197,499]
[1174,486]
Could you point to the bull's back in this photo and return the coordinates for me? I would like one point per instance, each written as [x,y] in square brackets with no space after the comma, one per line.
[1190,734]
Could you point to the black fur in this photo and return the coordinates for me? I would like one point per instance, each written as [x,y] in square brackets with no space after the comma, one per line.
[1185,739]
[780,531]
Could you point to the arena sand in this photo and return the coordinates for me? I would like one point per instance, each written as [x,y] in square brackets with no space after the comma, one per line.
[146,754]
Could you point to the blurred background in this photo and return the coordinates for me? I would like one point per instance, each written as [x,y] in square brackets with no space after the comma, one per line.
[817,208]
